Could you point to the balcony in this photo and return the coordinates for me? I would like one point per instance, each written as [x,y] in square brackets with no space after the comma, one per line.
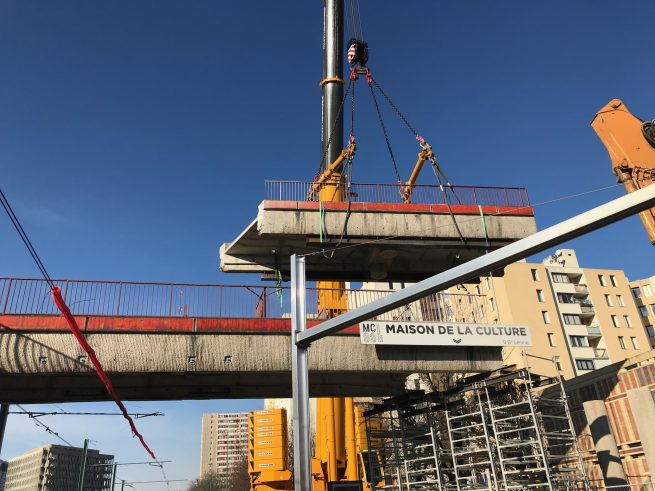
[593,331]
[581,289]
[601,353]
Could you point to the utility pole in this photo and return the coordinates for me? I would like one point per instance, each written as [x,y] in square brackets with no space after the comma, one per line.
[4,414]
[113,476]
[83,466]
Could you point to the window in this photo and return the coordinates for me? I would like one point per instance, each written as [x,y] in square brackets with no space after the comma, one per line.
[643,311]
[608,300]
[619,301]
[486,283]
[622,342]
[584,364]
[652,308]
[650,331]
[633,340]
[477,289]
[613,280]
[551,339]
[579,341]
[636,292]
[492,304]
[540,296]
[601,280]
[627,321]
[545,316]
[535,275]
[615,321]
[558,364]
[648,292]
[565,298]
[572,319]
[561,278]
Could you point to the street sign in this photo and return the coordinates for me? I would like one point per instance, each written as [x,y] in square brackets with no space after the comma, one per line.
[443,334]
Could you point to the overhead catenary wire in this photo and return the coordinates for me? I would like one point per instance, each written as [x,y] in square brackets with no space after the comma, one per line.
[26,240]
[499,213]
[41,424]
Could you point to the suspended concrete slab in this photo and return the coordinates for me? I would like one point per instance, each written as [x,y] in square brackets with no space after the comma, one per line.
[361,241]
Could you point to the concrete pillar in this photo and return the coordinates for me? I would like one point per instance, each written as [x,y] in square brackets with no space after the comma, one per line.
[606,449]
[642,404]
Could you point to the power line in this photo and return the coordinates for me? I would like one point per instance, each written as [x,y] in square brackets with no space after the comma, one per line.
[21,232]
[38,414]
[44,426]
[499,213]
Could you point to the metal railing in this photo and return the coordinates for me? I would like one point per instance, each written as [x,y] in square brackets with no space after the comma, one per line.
[421,194]
[28,296]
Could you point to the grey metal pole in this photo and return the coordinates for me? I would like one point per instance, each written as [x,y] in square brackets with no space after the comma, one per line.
[589,221]
[83,466]
[123,485]
[4,414]
[332,89]
[302,459]
[113,476]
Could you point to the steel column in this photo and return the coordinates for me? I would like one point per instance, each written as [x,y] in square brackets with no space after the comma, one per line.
[589,221]
[332,91]
[302,462]
[4,414]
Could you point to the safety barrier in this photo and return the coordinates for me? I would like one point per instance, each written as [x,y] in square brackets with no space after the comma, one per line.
[422,194]
[30,296]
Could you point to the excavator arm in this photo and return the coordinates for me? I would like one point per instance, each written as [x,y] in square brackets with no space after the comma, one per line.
[631,145]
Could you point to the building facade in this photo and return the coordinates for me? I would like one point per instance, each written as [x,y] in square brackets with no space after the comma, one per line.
[57,468]
[643,293]
[581,318]
[224,443]
[3,473]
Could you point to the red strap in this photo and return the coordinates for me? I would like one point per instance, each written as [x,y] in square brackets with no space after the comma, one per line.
[61,305]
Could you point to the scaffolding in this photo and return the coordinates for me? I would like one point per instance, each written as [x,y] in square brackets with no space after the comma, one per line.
[498,431]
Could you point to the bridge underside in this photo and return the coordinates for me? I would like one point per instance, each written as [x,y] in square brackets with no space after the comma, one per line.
[43,367]
[418,240]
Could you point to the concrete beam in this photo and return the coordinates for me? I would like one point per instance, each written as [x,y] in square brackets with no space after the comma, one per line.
[45,367]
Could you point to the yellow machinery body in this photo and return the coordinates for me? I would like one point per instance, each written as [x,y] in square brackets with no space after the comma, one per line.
[268,446]
[633,157]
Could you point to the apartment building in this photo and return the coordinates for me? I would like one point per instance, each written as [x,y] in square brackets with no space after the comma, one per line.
[224,443]
[582,318]
[57,468]
[643,294]
[3,473]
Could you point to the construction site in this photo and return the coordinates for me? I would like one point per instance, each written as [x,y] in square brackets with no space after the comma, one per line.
[369,315]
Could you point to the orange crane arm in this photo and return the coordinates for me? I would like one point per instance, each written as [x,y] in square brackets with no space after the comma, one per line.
[423,156]
[631,149]
[333,170]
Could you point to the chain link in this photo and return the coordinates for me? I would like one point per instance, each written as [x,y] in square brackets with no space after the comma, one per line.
[386,136]
[395,108]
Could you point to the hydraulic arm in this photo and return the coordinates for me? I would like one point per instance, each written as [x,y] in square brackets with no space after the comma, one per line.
[631,145]
[424,155]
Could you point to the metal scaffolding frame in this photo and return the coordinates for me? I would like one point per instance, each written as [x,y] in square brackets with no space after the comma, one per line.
[493,433]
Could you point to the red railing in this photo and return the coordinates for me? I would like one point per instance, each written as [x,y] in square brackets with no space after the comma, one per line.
[422,194]
[28,296]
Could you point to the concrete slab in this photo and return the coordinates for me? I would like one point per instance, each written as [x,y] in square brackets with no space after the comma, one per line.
[371,241]
[44,367]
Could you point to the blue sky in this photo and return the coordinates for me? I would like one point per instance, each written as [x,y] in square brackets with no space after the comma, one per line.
[135,136]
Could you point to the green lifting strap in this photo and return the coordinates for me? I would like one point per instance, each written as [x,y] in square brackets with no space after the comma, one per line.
[321,221]
[484,227]
[278,288]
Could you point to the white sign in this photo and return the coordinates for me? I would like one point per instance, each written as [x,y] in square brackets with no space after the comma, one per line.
[443,334]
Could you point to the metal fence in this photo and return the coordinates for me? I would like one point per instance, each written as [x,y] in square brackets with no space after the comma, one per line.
[422,194]
[27,296]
